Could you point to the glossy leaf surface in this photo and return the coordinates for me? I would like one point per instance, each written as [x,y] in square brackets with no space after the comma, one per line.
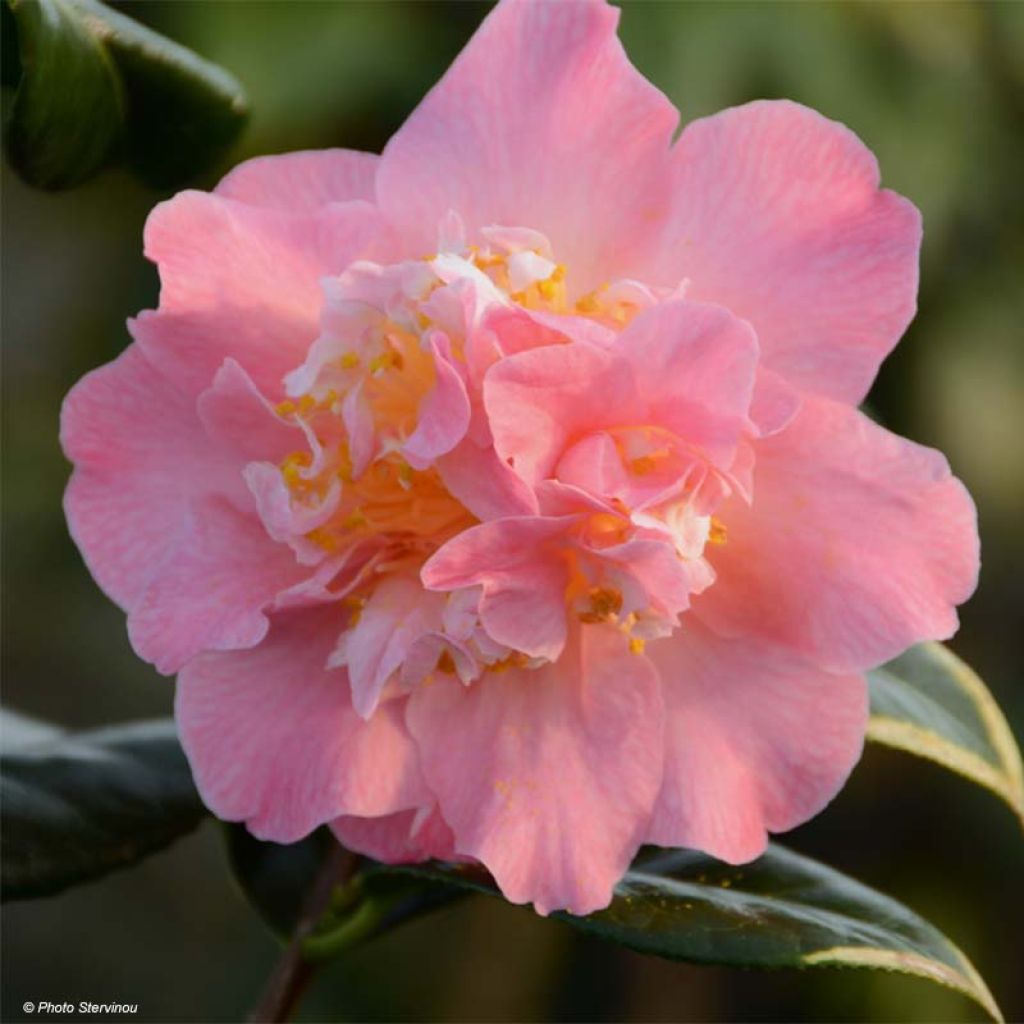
[97,86]
[783,910]
[78,805]
[930,703]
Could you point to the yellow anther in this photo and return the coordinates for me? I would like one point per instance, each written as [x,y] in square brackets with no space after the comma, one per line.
[323,538]
[423,320]
[518,297]
[290,468]
[514,660]
[558,274]
[284,408]
[636,645]
[548,289]
[384,361]
[307,403]
[354,520]
[605,603]
[718,534]
[349,360]
[588,304]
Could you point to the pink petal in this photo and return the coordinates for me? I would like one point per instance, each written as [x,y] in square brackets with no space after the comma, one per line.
[540,122]
[211,592]
[548,776]
[236,415]
[538,400]
[402,838]
[443,415]
[859,543]
[397,614]
[777,215]
[694,366]
[304,181]
[756,741]
[243,282]
[682,366]
[485,484]
[274,741]
[523,579]
[141,456]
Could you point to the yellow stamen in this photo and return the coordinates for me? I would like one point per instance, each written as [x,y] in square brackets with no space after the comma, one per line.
[636,645]
[718,534]
[605,603]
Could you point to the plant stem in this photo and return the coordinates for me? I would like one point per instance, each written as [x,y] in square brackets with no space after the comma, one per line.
[293,972]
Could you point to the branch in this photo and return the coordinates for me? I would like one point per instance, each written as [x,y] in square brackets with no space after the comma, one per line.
[293,972]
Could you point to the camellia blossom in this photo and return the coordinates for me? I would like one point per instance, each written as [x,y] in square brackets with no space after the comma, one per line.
[504,497]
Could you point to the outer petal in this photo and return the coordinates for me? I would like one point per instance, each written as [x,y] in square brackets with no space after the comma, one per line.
[858,544]
[141,456]
[756,741]
[777,215]
[211,591]
[304,181]
[540,122]
[402,838]
[548,777]
[241,281]
[274,741]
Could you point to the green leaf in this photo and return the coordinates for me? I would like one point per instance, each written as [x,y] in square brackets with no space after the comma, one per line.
[97,85]
[277,879]
[69,109]
[783,910]
[929,703]
[78,805]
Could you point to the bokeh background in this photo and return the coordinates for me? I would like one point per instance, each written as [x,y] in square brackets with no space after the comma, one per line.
[937,91]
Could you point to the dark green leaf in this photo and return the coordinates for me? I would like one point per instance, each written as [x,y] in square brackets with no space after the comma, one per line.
[783,910]
[75,806]
[277,880]
[97,85]
[928,702]
[69,109]
[183,112]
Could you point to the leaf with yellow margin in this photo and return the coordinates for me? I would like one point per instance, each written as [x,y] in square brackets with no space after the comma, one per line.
[782,910]
[930,703]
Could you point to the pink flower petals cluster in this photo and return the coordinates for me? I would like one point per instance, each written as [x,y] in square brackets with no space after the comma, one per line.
[505,497]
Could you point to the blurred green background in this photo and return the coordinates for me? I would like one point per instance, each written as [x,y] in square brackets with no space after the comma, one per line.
[937,91]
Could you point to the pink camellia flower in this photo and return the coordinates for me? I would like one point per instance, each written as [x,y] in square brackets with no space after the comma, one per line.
[504,497]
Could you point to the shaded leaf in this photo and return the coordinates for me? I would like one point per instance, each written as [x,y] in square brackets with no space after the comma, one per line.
[929,703]
[78,805]
[182,112]
[277,879]
[783,910]
[69,109]
[96,85]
